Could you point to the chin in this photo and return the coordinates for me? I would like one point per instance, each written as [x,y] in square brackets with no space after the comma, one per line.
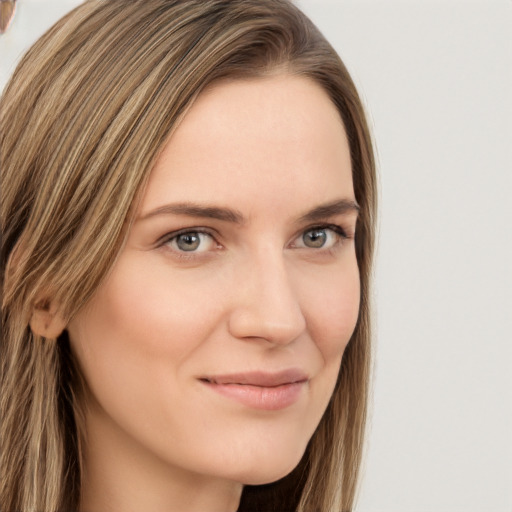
[269,471]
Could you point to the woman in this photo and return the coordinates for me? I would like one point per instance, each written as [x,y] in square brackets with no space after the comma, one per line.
[186,295]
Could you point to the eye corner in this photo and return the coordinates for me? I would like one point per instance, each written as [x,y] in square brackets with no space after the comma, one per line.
[333,235]
[193,249]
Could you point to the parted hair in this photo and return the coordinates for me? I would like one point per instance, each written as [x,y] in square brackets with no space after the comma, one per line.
[82,122]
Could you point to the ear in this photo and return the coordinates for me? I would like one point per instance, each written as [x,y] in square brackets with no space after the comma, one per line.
[47,320]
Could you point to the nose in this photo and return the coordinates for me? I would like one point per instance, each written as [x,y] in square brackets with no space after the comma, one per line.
[265,304]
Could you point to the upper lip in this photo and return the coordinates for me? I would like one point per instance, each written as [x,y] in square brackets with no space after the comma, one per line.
[260,378]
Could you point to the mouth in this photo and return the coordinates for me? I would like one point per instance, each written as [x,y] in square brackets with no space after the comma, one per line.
[260,390]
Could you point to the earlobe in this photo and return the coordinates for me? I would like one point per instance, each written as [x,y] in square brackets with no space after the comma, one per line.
[47,320]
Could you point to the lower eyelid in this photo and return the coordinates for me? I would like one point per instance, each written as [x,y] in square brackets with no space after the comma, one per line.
[165,241]
[337,231]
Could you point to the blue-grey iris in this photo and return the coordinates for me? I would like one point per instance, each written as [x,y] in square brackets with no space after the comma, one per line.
[315,238]
[188,241]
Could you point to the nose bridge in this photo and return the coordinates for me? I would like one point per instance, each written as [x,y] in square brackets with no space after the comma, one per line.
[266,305]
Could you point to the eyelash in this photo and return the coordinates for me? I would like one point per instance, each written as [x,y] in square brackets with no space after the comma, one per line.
[164,242]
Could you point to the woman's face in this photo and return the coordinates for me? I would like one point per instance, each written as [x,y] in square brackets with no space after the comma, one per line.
[213,346]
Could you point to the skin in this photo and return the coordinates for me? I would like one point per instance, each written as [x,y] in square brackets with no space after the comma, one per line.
[252,295]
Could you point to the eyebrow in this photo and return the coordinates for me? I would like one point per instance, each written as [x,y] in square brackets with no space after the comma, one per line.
[338,207]
[197,210]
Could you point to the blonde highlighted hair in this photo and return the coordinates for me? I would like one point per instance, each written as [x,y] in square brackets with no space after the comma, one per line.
[81,123]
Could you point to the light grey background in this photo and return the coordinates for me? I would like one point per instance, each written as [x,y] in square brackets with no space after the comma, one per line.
[436,78]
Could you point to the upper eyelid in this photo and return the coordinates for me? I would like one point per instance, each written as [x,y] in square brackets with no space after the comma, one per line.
[173,234]
[337,228]
[164,243]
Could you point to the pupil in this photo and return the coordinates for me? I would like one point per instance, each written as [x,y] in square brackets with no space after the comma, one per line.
[315,238]
[188,241]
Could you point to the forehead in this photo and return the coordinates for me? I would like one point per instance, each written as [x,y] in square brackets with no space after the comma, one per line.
[269,138]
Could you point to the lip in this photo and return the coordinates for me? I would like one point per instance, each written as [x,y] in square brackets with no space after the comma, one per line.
[260,390]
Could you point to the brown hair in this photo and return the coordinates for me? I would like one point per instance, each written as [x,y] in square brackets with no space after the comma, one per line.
[82,121]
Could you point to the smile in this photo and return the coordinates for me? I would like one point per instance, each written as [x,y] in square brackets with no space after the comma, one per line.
[260,390]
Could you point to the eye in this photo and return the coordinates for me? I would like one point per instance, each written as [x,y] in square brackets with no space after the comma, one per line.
[191,241]
[322,237]
[315,238]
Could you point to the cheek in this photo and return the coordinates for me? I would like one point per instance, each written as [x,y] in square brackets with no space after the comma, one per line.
[332,305]
[135,333]
[139,312]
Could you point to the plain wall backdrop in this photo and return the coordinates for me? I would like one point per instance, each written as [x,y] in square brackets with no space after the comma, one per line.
[436,78]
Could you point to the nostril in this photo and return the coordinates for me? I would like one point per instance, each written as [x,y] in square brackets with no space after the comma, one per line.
[258,324]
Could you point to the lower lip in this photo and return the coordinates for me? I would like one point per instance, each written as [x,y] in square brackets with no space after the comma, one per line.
[259,397]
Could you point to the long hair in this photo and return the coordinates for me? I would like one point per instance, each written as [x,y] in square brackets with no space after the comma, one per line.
[82,122]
